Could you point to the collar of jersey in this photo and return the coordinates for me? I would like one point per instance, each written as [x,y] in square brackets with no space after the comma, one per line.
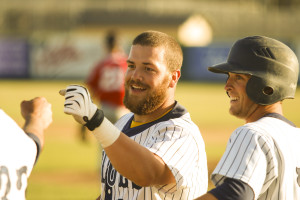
[135,124]
[281,117]
[176,112]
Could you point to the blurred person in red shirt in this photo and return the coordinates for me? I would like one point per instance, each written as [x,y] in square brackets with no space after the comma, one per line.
[106,80]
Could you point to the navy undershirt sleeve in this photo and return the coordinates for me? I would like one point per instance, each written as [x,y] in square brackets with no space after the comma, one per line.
[38,144]
[233,189]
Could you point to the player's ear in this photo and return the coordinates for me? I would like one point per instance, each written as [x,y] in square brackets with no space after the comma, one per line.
[175,75]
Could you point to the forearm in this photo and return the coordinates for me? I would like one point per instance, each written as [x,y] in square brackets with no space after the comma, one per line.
[38,116]
[128,157]
[137,163]
[34,127]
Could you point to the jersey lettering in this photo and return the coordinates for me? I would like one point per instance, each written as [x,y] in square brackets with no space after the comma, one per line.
[123,182]
[5,186]
[109,179]
[134,186]
[20,172]
[111,79]
[298,172]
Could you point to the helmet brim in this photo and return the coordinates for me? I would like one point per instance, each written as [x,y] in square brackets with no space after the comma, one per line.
[225,68]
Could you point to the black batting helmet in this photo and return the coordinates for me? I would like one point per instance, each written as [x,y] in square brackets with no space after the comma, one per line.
[273,67]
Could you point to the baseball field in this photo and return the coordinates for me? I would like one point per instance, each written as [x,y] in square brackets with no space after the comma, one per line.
[68,166]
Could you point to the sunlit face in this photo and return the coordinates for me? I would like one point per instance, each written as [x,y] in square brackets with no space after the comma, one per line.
[146,80]
[240,104]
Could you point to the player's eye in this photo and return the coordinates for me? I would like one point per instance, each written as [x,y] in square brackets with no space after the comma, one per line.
[242,77]
[149,69]
[131,66]
[238,77]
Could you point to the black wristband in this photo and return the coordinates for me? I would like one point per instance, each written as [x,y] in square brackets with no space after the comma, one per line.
[38,145]
[95,121]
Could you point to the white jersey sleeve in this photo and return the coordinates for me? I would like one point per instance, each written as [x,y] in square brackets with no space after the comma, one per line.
[17,157]
[265,155]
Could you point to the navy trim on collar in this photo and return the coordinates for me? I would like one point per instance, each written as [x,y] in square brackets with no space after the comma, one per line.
[176,112]
[281,117]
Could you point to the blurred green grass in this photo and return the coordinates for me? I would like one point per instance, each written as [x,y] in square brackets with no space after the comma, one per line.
[68,167]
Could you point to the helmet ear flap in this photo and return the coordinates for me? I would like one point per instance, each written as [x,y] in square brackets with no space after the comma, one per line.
[262,92]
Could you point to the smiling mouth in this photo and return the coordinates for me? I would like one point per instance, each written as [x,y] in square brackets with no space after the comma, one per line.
[137,88]
[233,99]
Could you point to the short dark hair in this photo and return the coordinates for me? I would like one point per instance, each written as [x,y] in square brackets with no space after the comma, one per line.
[173,56]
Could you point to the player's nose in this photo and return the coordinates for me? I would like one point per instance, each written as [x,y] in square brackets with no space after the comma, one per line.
[137,74]
[228,84]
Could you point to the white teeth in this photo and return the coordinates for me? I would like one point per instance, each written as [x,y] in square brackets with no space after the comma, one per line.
[136,87]
[233,98]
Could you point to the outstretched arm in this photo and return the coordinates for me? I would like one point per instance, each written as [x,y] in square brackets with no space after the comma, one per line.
[128,157]
[137,163]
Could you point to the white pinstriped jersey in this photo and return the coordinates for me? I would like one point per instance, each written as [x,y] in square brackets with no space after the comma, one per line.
[17,157]
[177,140]
[264,154]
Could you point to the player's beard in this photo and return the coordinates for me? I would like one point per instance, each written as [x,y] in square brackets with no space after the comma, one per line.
[150,103]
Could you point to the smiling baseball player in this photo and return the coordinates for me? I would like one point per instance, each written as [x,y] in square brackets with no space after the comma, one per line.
[262,158]
[155,152]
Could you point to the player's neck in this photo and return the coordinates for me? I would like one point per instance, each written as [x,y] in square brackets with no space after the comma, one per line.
[154,115]
[263,110]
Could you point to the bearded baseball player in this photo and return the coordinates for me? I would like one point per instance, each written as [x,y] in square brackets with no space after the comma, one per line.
[156,151]
[19,149]
[262,157]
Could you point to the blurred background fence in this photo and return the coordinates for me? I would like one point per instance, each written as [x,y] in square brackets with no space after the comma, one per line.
[58,39]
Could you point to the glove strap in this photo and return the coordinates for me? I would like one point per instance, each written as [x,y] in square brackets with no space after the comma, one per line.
[95,121]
